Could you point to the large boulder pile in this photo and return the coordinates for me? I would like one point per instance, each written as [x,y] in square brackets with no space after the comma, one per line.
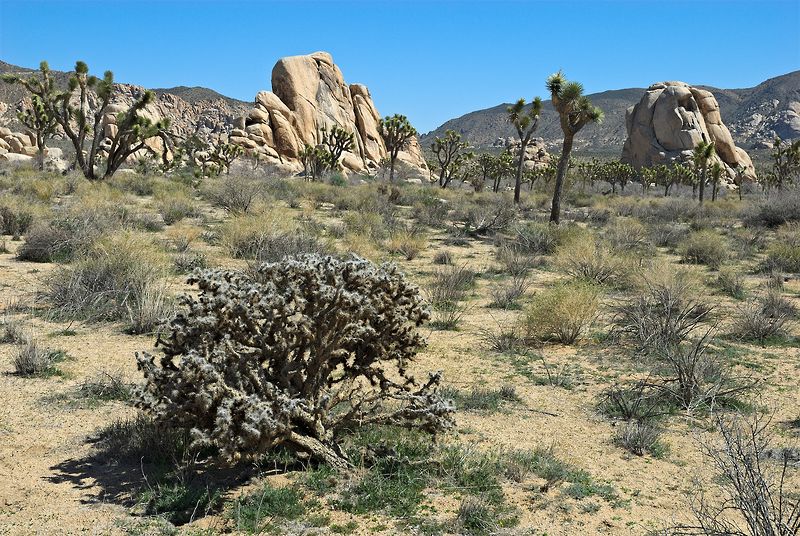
[536,154]
[309,93]
[670,120]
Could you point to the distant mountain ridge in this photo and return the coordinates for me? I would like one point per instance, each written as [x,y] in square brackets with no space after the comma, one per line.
[753,115]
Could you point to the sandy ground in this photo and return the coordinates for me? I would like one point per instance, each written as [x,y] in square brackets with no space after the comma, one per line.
[48,484]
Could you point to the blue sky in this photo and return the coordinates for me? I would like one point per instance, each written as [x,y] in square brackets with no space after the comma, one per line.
[429,60]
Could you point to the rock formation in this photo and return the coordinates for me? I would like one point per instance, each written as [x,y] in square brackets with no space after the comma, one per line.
[308,93]
[536,154]
[670,120]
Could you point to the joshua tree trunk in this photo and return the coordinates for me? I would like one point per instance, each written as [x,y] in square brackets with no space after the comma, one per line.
[561,173]
[392,159]
[521,161]
[40,153]
[714,191]
[702,185]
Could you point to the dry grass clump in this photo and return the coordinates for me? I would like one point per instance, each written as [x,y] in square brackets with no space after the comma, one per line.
[665,309]
[562,313]
[182,235]
[237,194]
[176,202]
[590,259]
[762,318]
[783,253]
[407,242]
[444,257]
[487,216]
[16,216]
[121,278]
[513,259]
[627,234]
[446,292]
[705,247]
[506,295]
[31,359]
[731,281]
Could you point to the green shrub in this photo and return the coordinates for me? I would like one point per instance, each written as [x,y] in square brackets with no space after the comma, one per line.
[705,247]
[254,512]
[731,281]
[588,259]
[562,313]
[176,204]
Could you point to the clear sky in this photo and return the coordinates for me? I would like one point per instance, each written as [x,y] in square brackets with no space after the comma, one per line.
[430,60]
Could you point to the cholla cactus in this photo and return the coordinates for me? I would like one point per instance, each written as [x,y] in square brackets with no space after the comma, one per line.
[316,346]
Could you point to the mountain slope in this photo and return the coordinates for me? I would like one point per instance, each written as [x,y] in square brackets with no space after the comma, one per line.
[753,115]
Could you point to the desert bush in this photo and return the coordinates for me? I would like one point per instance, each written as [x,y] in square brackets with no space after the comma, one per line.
[406,242]
[48,242]
[475,517]
[11,330]
[449,286]
[759,496]
[431,211]
[589,259]
[106,386]
[637,401]
[371,225]
[667,235]
[746,242]
[255,512]
[120,278]
[664,311]
[181,236]
[698,379]
[514,260]
[248,236]
[538,238]
[778,210]
[188,261]
[762,318]
[562,313]
[15,216]
[235,193]
[504,339]
[135,183]
[639,438]
[704,247]
[176,203]
[626,234]
[247,363]
[487,218]
[443,257]
[731,281]
[783,253]
[506,295]
[31,359]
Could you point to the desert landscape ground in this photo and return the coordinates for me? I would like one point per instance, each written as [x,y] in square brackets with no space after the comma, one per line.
[568,315]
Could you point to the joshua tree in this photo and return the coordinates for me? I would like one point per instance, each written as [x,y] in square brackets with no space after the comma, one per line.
[702,154]
[451,154]
[309,349]
[716,174]
[785,163]
[397,134]
[39,118]
[315,160]
[86,120]
[575,111]
[525,123]
[337,141]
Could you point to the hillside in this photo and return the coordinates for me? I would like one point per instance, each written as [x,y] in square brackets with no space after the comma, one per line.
[754,116]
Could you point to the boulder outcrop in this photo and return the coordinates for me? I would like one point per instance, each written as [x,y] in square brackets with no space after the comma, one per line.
[670,120]
[309,93]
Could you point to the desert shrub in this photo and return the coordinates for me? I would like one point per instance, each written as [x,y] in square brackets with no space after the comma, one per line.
[514,260]
[589,259]
[443,257]
[626,234]
[406,242]
[449,285]
[431,211]
[15,216]
[46,242]
[235,193]
[503,339]
[371,225]
[746,242]
[759,496]
[778,210]
[639,438]
[698,379]
[246,363]
[476,517]
[135,183]
[188,261]
[175,204]
[11,330]
[562,313]
[664,311]
[667,235]
[255,512]
[120,278]
[762,318]
[142,440]
[638,401]
[704,247]
[31,359]
[731,281]
[106,386]
[479,399]
[783,254]
[181,236]
[487,218]
[247,236]
[506,295]
[538,238]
